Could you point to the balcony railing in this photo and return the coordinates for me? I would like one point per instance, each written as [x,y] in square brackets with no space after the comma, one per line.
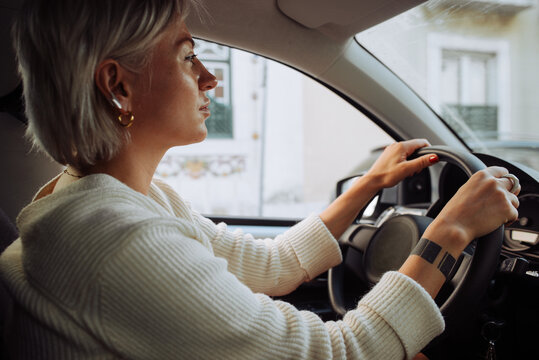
[482,120]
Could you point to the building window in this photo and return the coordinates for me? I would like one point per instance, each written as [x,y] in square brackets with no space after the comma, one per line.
[468,90]
[469,82]
[216,59]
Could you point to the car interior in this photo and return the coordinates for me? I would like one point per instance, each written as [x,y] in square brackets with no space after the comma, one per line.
[490,303]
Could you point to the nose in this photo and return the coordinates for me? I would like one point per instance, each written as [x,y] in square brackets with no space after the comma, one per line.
[206,80]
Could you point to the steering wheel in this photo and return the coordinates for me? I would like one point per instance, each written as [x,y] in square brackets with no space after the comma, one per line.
[377,249]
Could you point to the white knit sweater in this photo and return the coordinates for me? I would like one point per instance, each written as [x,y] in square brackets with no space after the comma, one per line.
[102,271]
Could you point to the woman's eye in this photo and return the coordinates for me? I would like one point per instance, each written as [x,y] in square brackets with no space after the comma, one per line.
[191,58]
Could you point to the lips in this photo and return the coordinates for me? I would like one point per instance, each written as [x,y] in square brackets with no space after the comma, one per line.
[205,107]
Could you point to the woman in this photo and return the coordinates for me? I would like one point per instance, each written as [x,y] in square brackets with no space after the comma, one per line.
[112,263]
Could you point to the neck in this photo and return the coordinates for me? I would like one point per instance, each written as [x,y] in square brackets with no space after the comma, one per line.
[134,166]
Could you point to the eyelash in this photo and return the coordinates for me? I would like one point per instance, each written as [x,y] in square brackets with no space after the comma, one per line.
[191,58]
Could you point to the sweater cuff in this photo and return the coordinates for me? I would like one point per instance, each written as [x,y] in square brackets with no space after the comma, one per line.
[407,308]
[315,247]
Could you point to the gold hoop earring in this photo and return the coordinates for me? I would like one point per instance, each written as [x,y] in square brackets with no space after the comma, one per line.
[128,120]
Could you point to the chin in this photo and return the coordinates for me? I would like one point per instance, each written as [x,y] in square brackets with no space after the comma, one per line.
[202,136]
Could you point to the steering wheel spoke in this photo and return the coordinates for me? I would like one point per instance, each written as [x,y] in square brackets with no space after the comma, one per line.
[360,237]
[459,272]
[457,275]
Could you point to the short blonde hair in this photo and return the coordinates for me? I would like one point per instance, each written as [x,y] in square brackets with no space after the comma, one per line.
[59,44]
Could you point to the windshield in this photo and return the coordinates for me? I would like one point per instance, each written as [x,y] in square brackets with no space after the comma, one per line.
[476,64]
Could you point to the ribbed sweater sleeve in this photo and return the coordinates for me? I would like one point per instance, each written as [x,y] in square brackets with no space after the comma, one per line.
[270,266]
[166,296]
[276,266]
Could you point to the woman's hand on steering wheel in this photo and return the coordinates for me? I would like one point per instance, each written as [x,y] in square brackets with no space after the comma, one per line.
[392,166]
[481,205]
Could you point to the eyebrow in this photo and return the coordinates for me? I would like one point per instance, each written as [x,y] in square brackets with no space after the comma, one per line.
[184,39]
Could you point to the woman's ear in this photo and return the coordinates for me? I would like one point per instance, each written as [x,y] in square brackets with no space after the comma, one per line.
[112,80]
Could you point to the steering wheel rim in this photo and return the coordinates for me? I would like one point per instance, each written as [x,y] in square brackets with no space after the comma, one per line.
[473,283]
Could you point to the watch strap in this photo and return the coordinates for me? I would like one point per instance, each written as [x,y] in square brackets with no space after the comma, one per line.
[430,251]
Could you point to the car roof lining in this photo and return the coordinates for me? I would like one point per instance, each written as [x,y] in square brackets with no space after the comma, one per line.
[262,28]
[341,19]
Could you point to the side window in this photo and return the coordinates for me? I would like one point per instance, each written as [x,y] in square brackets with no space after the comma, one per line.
[277,141]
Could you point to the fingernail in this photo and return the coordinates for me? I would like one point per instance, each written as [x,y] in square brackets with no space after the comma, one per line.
[433,159]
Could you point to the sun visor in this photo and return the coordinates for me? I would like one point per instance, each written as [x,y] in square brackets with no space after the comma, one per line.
[343,18]
[8,66]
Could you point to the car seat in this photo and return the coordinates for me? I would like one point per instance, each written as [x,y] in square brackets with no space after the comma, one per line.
[23,170]
[8,231]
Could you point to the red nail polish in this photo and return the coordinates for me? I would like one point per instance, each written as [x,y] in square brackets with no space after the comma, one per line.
[433,159]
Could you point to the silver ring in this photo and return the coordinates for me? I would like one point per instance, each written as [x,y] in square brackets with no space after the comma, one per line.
[514,181]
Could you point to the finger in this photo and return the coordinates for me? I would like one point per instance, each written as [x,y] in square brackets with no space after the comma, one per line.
[497,171]
[515,183]
[412,145]
[513,216]
[506,183]
[514,200]
[510,183]
[517,191]
[416,165]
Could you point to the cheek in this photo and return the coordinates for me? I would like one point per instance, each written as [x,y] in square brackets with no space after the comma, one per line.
[181,89]
[171,97]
